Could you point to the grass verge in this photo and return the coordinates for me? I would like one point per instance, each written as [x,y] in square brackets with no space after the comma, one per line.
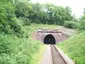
[38,57]
[74,47]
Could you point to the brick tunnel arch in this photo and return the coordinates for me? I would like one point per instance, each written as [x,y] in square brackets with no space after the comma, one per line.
[49,39]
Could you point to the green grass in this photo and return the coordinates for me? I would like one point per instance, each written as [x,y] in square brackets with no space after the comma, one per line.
[74,47]
[34,27]
[38,57]
[43,26]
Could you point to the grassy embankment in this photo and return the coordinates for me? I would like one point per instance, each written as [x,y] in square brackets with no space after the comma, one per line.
[15,50]
[74,47]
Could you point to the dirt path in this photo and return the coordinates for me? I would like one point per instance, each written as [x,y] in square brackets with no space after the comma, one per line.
[47,57]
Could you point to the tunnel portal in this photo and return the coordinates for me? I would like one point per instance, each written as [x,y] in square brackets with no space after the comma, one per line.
[49,39]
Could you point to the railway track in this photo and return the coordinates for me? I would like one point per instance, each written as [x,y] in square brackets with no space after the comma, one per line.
[53,55]
[56,56]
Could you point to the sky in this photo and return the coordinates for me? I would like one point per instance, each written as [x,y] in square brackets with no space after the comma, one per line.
[76,5]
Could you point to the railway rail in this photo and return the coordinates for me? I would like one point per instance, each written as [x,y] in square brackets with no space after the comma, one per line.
[56,56]
[53,55]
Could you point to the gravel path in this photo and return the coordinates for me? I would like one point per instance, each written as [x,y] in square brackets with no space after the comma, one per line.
[47,57]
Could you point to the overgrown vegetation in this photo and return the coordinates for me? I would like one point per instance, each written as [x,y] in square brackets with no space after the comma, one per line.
[74,47]
[12,10]
[81,24]
[71,24]
[14,50]
[17,22]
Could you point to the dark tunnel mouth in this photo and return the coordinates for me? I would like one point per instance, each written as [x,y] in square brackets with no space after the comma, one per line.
[49,39]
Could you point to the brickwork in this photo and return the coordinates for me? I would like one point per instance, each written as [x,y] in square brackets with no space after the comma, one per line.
[58,35]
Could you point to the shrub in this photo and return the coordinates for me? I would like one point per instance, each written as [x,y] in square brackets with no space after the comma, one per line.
[70,24]
[82,25]
[7,19]
[26,21]
[14,50]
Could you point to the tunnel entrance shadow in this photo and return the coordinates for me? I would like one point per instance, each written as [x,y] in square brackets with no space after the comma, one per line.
[49,39]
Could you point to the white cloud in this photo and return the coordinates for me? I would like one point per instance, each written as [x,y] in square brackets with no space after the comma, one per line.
[76,5]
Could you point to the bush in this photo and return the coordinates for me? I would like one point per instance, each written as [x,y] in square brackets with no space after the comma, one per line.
[14,50]
[70,24]
[82,25]
[8,24]
[26,21]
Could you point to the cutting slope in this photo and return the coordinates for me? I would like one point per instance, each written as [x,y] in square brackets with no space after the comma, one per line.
[74,47]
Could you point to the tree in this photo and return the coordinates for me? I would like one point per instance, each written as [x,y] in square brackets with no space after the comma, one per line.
[6,15]
[22,9]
